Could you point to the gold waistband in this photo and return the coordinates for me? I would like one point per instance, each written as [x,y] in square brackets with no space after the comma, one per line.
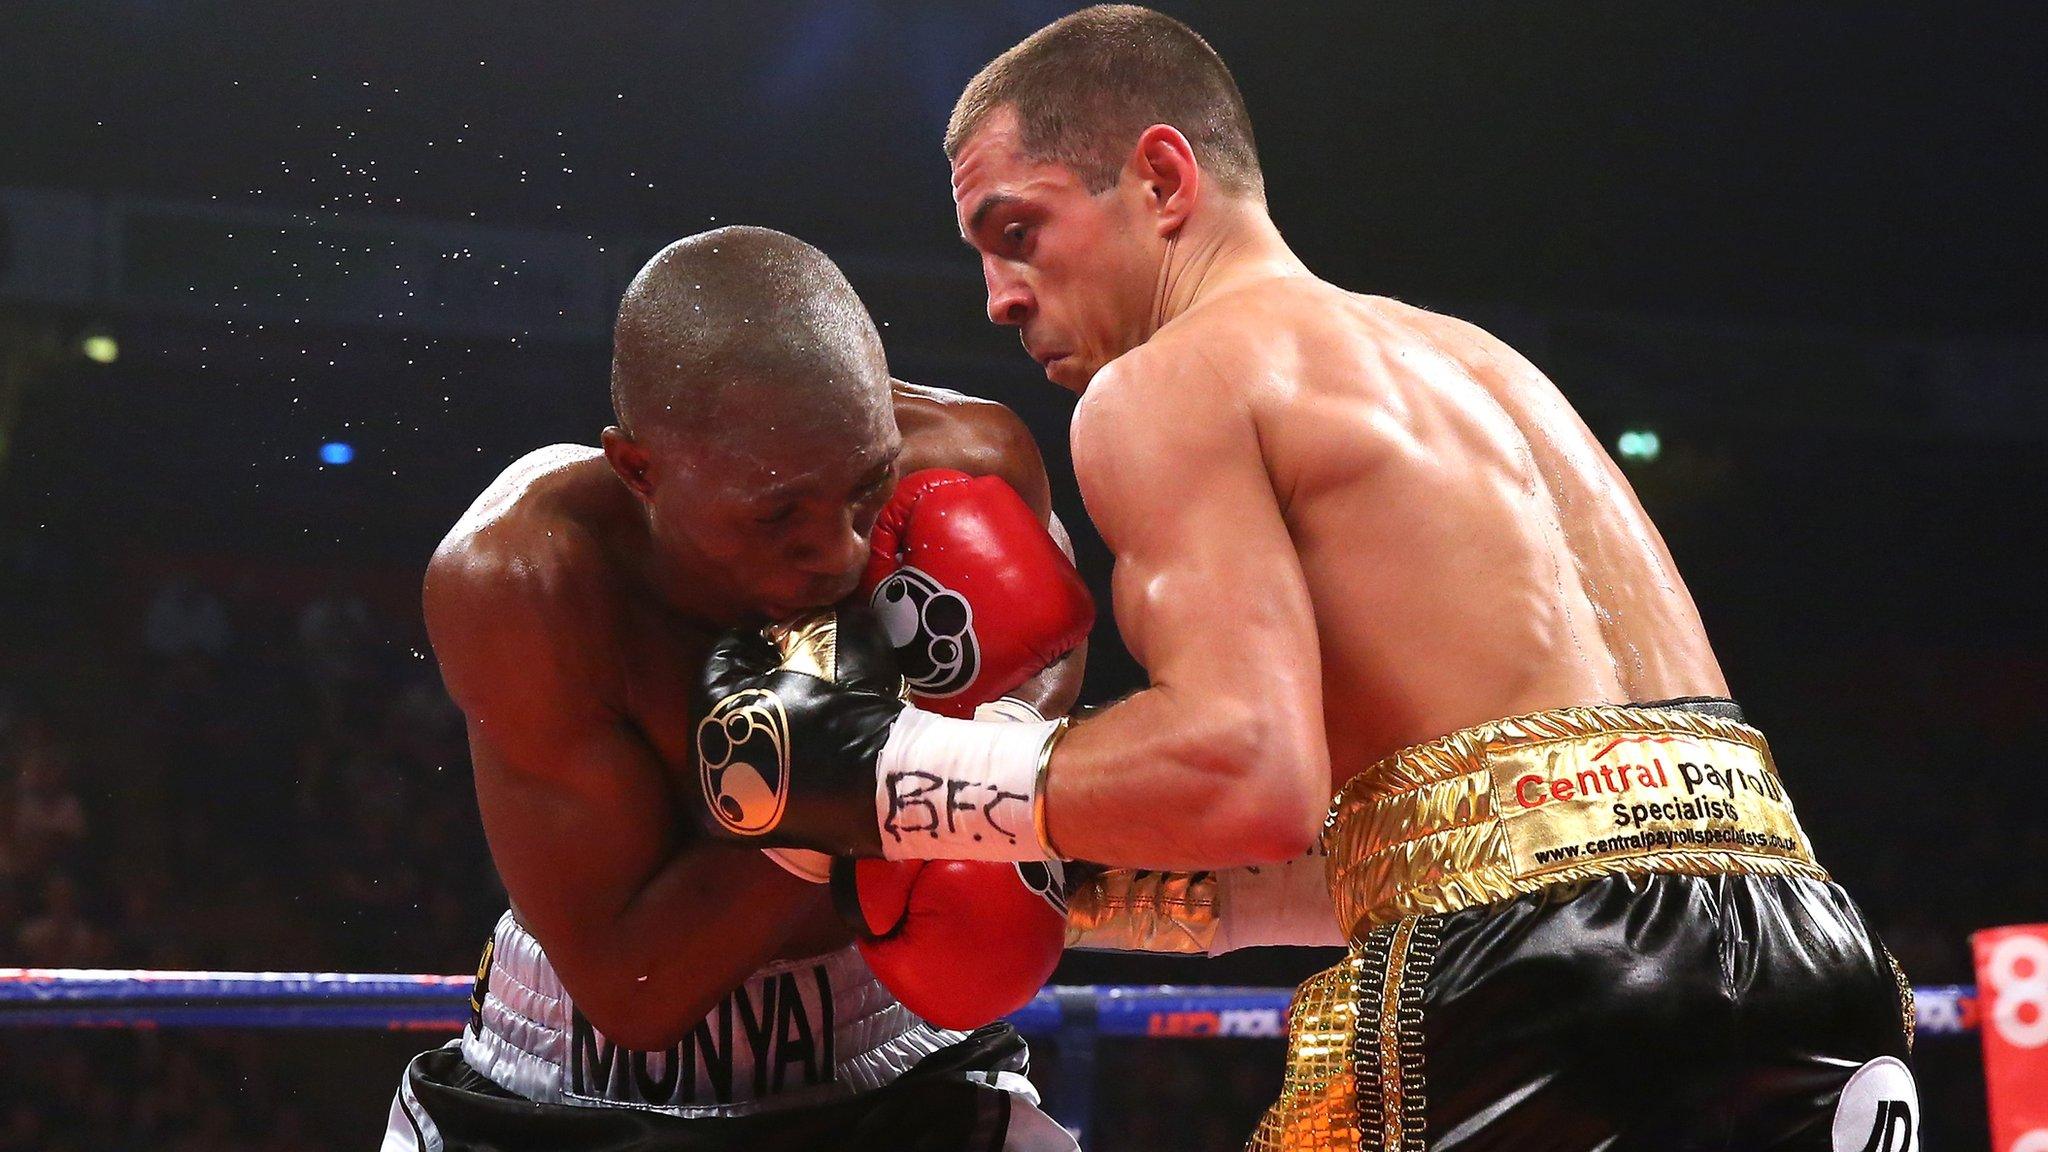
[1513,806]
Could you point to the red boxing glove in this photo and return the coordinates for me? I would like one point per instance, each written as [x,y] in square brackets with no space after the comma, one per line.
[961,943]
[973,593]
[975,598]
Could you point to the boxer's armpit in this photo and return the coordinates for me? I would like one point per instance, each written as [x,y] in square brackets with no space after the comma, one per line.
[1053,691]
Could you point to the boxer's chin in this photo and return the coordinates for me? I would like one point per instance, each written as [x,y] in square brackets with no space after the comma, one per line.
[1065,371]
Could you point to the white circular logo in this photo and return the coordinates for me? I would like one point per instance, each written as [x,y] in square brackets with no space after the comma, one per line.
[2032,1141]
[1879,1110]
[931,627]
[743,761]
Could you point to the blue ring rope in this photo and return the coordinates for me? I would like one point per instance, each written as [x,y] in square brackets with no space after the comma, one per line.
[134,998]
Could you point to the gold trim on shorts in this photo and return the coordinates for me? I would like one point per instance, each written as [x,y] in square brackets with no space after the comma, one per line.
[1513,806]
[1907,1011]
[481,987]
[1354,1080]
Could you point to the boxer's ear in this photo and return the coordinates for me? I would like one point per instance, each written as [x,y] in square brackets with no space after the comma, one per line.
[1170,176]
[628,460]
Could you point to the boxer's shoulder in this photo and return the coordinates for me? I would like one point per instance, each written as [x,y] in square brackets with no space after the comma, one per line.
[536,519]
[1285,348]
[944,418]
[946,429]
[524,562]
[1252,365]
[1184,378]
[1234,345]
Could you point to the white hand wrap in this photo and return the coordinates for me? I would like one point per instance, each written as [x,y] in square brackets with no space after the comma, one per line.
[1276,904]
[949,789]
[1197,913]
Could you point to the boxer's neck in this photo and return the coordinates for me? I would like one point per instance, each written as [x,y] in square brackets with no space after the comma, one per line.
[1232,244]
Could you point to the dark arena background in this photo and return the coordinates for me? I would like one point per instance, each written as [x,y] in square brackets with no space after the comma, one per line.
[282,286]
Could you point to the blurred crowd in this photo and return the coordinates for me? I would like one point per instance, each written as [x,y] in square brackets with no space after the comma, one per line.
[198,772]
[216,778]
[237,784]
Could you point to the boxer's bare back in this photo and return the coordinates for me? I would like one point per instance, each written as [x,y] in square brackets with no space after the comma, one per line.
[575,674]
[1388,504]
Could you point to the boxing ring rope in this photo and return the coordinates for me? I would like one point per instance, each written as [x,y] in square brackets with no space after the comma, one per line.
[137,998]
[1074,1017]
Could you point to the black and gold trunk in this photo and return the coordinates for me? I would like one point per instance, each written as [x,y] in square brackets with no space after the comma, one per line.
[1589,928]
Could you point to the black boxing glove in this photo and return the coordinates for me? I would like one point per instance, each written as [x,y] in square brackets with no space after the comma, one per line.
[806,742]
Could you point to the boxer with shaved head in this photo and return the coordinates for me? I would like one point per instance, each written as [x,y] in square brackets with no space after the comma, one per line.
[650,988]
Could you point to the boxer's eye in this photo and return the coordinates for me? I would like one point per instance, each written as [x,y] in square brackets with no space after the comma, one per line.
[876,481]
[1013,237]
[779,516]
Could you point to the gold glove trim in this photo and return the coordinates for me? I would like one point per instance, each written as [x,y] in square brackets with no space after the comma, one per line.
[1514,806]
[1134,911]
[808,644]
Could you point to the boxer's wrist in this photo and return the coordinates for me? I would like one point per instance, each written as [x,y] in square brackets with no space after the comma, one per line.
[1041,792]
[1135,910]
[948,789]
[1013,710]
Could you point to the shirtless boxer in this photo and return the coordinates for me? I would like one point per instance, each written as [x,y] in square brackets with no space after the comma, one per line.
[1368,551]
[649,990]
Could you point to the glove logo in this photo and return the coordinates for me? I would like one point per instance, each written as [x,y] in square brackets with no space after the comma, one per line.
[931,627]
[1048,879]
[743,761]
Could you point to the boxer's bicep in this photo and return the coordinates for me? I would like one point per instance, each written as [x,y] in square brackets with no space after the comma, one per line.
[1017,459]
[572,806]
[571,823]
[645,930]
[1208,589]
[998,443]
[1210,596]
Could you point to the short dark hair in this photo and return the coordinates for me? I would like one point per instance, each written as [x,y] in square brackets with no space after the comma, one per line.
[1086,85]
[731,309]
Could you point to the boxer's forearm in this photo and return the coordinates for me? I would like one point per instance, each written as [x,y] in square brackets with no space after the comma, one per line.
[1165,780]
[708,918]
